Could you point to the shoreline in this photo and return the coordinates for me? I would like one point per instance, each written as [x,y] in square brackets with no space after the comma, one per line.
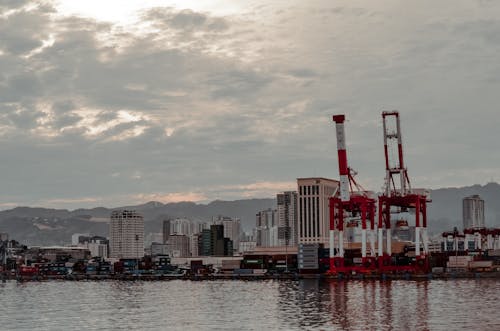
[253,277]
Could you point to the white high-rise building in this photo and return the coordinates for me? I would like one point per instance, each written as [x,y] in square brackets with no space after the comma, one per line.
[473,212]
[313,209]
[182,226]
[287,218]
[126,231]
[267,228]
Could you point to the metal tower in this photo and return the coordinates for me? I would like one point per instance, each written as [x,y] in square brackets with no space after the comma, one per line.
[354,204]
[398,196]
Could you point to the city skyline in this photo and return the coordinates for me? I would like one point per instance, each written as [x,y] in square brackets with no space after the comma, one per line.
[198,101]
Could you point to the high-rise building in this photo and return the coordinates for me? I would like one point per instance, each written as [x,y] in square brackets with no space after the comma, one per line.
[158,249]
[313,209]
[232,229]
[166,230]
[126,231]
[266,222]
[182,226]
[287,218]
[202,226]
[217,240]
[204,243]
[178,245]
[473,212]
[211,242]
[194,244]
[220,245]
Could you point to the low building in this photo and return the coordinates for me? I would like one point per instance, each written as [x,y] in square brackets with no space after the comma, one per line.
[158,249]
[247,246]
[57,254]
[98,246]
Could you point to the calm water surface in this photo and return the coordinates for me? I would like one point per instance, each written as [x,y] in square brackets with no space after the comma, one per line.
[255,305]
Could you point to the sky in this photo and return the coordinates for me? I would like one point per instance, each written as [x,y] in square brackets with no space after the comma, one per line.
[111,103]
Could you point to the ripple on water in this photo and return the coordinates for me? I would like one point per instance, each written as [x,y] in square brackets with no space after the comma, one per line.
[251,305]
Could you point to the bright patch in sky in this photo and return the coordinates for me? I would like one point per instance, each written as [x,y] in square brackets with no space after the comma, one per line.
[126,11]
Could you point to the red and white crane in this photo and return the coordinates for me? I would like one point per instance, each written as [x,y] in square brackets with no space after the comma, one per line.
[353,203]
[398,196]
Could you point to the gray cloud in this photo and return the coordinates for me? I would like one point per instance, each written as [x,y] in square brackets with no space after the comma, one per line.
[210,104]
[185,20]
[24,31]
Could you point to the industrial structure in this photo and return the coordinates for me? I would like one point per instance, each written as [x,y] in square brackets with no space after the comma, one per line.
[354,206]
[476,237]
[399,200]
[473,212]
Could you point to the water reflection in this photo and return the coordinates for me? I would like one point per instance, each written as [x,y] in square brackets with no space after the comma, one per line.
[257,305]
[316,304]
[379,305]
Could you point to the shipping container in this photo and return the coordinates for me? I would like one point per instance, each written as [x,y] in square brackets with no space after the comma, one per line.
[494,252]
[457,265]
[463,258]
[458,270]
[243,271]
[480,264]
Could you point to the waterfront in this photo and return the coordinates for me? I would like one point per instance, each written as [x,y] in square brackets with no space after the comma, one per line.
[247,305]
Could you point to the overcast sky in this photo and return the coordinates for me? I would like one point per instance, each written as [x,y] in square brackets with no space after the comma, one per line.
[108,104]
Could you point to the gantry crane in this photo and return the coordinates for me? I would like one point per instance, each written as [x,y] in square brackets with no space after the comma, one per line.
[399,197]
[353,204]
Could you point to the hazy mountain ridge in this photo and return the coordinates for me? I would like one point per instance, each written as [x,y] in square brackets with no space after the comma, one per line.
[44,226]
[445,211]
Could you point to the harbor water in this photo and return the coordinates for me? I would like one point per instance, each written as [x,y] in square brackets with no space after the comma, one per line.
[468,304]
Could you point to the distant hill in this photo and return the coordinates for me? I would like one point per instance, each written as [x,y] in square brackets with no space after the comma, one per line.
[445,211]
[42,226]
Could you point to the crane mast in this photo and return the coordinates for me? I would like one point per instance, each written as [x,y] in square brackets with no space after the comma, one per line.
[354,203]
[393,146]
[398,195]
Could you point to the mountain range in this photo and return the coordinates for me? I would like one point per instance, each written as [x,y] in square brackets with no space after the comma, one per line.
[42,226]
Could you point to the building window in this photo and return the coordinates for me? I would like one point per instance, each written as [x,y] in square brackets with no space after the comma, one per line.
[309,216]
[317,215]
[301,221]
[313,220]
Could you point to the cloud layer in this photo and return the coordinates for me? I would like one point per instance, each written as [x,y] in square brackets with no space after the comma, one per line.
[190,104]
